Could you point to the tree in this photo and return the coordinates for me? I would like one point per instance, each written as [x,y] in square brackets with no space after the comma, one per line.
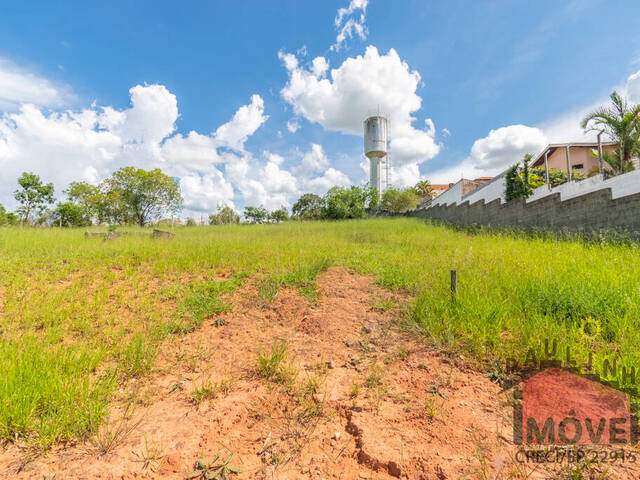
[308,207]
[614,163]
[423,189]
[69,214]
[3,216]
[521,181]
[371,197]
[399,200]
[224,216]
[34,196]
[81,192]
[351,202]
[621,122]
[7,218]
[141,195]
[256,214]
[85,202]
[279,215]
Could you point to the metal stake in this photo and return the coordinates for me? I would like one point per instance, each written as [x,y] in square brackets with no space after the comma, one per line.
[454,284]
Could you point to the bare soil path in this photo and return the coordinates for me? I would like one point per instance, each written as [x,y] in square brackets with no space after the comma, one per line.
[354,398]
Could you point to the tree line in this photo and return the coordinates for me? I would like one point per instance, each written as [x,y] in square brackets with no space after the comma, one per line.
[339,203]
[129,196]
[140,197]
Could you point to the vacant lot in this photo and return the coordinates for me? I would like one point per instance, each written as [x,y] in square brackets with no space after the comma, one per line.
[87,323]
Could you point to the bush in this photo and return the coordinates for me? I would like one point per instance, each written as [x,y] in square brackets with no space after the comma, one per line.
[256,214]
[224,216]
[557,176]
[342,203]
[279,215]
[309,207]
[69,214]
[398,201]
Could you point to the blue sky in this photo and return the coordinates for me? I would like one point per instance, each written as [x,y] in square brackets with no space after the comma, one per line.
[496,79]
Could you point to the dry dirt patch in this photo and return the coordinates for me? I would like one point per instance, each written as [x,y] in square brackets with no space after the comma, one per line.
[358,401]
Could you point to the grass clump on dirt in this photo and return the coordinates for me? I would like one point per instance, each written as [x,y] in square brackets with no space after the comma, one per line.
[78,316]
[273,364]
[207,389]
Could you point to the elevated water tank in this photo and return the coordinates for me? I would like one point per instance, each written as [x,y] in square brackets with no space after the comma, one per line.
[375,137]
[375,147]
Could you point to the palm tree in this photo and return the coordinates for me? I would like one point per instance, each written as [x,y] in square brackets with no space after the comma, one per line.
[621,122]
[423,188]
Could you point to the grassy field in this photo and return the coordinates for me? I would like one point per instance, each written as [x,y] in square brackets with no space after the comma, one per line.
[80,315]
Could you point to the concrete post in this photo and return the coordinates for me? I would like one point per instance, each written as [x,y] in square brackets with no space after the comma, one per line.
[568,164]
[600,164]
[546,168]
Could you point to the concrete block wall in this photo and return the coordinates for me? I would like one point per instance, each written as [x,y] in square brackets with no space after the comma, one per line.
[591,212]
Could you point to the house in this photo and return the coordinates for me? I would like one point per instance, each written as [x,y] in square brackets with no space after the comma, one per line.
[439,188]
[467,185]
[482,180]
[578,155]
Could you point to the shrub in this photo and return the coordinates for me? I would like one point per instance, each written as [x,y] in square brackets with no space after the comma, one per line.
[341,203]
[256,214]
[309,207]
[398,201]
[557,176]
[225,215]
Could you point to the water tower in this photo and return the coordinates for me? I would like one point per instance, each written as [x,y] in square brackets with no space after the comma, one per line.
[375,147]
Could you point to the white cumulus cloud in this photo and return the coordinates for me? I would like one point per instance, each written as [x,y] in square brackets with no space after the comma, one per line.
[505,146]
[244,123]
[19,86]
[91,143]
[358,87]
[492,154]
[633,87]
[315,160]
[319,66]
[268,185]
[330,178]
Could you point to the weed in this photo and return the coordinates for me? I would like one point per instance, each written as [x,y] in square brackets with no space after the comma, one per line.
[268,289]
[312,385]
[355,390]
[273,365]
[151,454]
[431,407]
[214,469]
[138,356]
[497,373]
[374,379]
[402,353]
[208,390]
[112,433]
[383,304]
